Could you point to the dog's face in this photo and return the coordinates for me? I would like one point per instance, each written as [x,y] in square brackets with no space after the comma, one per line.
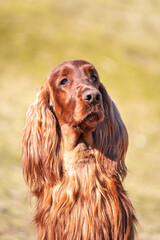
[75,94]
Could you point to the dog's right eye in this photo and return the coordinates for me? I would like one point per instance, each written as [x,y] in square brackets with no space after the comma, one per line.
[64,82]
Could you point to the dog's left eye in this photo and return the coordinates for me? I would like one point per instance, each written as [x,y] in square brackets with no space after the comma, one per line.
[64,82]
[93,78]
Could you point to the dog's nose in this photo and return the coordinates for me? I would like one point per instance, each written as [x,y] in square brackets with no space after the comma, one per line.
[92,97]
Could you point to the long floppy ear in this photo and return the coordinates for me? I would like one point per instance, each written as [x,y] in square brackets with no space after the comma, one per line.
[111,138]
[41,144]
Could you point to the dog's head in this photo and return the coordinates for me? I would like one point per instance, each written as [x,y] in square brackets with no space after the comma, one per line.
[75,95]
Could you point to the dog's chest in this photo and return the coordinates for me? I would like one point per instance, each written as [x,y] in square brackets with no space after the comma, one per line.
[79,169]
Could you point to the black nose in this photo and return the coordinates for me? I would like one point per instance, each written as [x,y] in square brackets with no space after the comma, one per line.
[92,96]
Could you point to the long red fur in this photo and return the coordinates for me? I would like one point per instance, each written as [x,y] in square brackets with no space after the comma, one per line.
[79,193]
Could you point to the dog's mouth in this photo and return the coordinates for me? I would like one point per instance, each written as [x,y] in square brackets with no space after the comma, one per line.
[92,117]
[90,121]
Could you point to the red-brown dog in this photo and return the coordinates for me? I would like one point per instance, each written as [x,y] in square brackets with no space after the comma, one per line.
[74,146]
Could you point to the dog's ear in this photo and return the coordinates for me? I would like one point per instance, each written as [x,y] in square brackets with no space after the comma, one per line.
[41,143]
[111,137]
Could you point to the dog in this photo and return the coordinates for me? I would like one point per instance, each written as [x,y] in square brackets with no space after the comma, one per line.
[74,146]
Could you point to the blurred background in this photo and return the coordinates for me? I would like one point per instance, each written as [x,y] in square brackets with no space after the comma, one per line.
[122,39]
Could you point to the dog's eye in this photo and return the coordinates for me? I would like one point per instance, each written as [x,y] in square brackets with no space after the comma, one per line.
[93,78]
[64,82]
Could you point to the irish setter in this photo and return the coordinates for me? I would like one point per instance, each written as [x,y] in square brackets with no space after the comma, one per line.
[74,146]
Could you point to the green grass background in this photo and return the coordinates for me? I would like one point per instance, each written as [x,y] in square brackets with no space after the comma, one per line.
[122,39]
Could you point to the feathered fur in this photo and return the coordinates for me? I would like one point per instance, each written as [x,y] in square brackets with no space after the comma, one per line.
[74,159]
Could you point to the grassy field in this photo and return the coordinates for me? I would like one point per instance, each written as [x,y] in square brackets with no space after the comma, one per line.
[122,39]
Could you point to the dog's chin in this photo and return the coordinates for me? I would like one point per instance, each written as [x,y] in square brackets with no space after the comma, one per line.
[90,121]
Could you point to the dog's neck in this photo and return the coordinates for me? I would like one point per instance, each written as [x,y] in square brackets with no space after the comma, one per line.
[77,147]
